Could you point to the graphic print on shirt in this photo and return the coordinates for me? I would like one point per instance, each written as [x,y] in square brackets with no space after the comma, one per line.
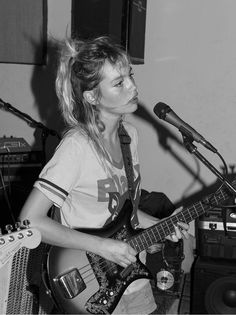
[115,191]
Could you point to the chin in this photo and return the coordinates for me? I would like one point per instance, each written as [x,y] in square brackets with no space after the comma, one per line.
[134,107]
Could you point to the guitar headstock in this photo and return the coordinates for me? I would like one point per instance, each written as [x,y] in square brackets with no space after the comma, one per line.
[10,243]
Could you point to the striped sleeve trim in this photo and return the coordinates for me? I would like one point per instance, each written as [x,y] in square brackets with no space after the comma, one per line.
[52,188]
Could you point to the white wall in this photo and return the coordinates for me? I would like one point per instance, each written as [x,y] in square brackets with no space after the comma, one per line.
[190,64]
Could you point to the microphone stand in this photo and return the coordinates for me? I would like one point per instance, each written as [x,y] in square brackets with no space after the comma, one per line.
[188,143]
[33,123]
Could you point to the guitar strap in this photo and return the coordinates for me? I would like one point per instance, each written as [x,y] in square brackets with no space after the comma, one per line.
[125,141]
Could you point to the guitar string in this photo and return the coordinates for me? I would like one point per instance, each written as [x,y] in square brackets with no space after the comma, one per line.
[189,217]
[113,267]
[145,244]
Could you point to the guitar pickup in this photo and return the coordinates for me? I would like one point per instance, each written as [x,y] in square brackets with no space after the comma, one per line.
[70,283]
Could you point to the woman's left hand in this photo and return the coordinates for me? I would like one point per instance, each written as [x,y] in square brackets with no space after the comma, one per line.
[181,230]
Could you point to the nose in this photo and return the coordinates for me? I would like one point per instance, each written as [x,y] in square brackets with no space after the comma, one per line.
[131,85]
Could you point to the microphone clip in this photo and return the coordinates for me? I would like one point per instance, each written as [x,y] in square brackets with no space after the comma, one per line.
[188,139]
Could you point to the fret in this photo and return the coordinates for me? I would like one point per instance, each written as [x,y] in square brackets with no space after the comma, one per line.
[139,242]
[168,228]
[142,240]
[221,193]
[159,231]
[174,220]
[215,199]
[183,217]
[133,243]
[150,240]
[195,209]
[162,228]
[156,230]
[146,239]
[195,212]
[154,235]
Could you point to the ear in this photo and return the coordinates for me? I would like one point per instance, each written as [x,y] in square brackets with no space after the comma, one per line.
[89,96]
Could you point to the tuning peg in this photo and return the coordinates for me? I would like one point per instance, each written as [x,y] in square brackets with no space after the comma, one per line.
[18,225]
[9,228]
[26,223]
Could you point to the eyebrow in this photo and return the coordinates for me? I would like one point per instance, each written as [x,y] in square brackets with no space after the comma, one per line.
[121,76]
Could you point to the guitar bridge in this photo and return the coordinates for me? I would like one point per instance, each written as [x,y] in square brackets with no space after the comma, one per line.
[70,283]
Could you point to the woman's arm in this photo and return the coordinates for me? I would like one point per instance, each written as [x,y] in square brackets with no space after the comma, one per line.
[36,211]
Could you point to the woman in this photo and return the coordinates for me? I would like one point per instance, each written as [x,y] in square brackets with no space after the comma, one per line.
[86,178]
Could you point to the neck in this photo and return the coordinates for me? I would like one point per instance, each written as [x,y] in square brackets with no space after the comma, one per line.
[111,130]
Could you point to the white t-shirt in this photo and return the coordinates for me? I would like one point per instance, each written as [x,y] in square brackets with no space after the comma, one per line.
[76,182]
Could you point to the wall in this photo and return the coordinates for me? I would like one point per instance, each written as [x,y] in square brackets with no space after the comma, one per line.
[189,64]
[30,89]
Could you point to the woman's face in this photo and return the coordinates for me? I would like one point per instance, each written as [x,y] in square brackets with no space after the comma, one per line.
[118,91]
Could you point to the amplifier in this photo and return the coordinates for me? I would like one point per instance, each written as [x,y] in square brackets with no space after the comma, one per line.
[13,144]
[19,170]
[212,240]
[16,167]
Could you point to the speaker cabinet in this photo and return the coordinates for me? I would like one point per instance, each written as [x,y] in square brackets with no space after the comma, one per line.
[213,288]
[123,20]
[18,174]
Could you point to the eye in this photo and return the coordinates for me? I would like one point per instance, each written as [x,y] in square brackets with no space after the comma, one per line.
[131,75]
[120,83]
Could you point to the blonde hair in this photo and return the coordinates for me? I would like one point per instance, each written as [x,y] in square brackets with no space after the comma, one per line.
[80,67]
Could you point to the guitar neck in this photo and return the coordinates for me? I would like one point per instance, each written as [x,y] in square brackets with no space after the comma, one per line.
[162,229]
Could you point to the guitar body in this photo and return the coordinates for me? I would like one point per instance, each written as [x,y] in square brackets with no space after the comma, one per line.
[82,282]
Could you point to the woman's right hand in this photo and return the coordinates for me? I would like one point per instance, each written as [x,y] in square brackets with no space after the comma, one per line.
[117,251]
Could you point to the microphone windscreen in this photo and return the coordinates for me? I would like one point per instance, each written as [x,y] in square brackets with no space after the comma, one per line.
[161,109]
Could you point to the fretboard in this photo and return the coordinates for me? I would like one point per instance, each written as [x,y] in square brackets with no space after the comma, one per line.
[162,229]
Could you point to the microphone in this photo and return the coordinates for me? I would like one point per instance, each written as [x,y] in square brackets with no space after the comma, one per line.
[164,112]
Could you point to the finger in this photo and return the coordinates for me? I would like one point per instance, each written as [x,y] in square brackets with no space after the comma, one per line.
[125,262]
[132,251]
[172,237]
[132,259]
[177,232]
[177,210]
[185,233]
[183,225]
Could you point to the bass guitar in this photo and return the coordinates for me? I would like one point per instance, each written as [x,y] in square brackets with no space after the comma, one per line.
[82,282]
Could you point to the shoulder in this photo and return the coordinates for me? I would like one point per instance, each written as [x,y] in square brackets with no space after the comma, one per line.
[73,138]
[72,144]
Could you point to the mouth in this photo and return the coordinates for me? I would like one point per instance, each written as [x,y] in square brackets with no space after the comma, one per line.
[134,99]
